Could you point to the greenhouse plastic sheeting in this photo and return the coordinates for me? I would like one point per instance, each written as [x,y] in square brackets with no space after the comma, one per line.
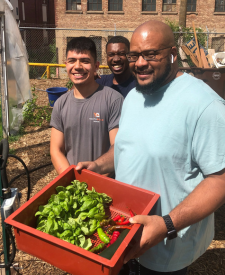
[17,68]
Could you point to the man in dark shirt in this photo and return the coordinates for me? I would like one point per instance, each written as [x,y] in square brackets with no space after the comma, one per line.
[121,78]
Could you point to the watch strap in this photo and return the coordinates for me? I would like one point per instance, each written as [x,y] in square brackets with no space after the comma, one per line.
[171,231]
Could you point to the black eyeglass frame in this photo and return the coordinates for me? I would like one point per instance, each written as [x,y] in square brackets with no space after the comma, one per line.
[144,57]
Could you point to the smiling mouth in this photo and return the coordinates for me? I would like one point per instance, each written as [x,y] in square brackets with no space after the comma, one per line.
[79,75]
[117,67]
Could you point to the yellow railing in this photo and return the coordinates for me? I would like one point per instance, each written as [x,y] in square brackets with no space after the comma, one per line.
[47,65]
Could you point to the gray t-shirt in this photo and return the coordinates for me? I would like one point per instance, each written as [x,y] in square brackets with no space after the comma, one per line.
[86,122]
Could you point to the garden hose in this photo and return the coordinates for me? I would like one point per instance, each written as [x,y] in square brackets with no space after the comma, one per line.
[27,172]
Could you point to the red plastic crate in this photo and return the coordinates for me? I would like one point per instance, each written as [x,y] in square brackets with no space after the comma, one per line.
[68,257]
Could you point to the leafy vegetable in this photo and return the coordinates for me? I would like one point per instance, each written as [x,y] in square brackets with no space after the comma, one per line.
[73,213]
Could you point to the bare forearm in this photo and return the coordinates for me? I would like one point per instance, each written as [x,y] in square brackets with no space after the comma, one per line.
[59,161]
[105,163]
[206,198]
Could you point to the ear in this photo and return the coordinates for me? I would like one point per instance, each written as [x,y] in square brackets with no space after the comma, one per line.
[174,53]
[97,65]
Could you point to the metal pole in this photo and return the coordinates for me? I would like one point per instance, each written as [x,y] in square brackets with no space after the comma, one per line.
[4,235]
[4,87]
[207,46]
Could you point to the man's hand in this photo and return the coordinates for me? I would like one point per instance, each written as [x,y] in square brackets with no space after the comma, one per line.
[154,231]
[89,165]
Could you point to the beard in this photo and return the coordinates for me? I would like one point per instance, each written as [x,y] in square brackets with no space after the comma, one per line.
[152,87]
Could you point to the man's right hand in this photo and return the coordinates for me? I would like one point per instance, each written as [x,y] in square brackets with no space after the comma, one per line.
[89,165]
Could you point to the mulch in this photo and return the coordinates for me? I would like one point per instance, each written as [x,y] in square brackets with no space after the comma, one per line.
[33,149]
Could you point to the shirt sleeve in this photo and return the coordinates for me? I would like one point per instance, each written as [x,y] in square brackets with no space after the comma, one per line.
[208,146]
[115,113]
[56,119]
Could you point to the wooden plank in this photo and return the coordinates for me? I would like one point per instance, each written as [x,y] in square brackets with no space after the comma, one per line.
[210,61]
[198,51]
[188,52]
[204,59]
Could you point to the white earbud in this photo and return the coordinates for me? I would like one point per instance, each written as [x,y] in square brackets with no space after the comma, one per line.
[171,58]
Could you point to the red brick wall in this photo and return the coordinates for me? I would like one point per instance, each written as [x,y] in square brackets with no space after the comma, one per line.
[133,16]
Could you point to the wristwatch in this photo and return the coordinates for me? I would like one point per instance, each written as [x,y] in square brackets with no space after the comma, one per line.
[171,231]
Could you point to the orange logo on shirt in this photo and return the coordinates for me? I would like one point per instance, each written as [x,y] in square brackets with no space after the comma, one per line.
[96,115]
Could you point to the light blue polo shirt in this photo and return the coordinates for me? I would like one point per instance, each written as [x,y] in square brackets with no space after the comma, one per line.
[167,142]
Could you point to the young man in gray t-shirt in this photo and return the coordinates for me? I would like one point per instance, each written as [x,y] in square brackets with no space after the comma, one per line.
[85,120]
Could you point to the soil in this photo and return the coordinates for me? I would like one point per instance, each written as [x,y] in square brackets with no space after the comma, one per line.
[33,149]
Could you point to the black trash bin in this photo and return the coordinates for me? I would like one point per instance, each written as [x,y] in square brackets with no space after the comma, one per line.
[214,77]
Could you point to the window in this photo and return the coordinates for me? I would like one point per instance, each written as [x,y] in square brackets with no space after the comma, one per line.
[115,5]
[149,5]
[73,5]
[44,12]
[94,5]
[169,5]
[218,44]
[23,11]
[191,5]
[220,6]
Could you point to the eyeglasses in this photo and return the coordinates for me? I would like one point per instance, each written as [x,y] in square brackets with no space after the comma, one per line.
[121,54]
[148,55]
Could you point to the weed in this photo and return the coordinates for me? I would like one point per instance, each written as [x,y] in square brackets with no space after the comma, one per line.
[69,85]
[36,115]
[12,151]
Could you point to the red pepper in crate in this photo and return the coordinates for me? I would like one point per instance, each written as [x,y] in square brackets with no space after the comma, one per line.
[123,223]
[114,237]
[121,219]
[116,227]
[131,213]
[117,218]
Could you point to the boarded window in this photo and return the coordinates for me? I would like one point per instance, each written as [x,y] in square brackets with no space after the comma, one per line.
[44,12]
[149,5]
[169,5]
[191,5]
[218,44]
[94,5]
[73,5]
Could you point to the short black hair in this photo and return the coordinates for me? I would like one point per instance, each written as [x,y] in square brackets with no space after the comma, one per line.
[81,44]
[119,39]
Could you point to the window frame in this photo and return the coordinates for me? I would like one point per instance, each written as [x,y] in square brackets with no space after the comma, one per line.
[147,5]
[217,6]
[192,5]
[115,3]
[172,5]
[71,3]
[90,5]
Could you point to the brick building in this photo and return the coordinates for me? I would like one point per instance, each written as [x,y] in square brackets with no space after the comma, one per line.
[103,18]
[128,14]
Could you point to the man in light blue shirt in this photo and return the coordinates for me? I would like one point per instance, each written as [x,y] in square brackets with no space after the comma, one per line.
[171,142]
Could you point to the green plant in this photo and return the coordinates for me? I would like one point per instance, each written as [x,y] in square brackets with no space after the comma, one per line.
[34,114]
[186,33]
[69,85]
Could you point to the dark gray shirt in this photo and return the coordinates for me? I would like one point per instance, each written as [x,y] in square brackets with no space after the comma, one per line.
[86,122]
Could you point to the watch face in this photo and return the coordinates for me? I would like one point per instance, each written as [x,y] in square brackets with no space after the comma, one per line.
[172,234]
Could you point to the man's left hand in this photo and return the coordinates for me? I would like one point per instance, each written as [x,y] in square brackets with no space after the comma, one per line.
[154,231]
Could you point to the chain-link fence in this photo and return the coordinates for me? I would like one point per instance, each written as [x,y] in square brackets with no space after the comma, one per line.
[48,45]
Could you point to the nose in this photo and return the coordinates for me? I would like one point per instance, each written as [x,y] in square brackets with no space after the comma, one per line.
[116,57]
[77,64]
[141,62]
